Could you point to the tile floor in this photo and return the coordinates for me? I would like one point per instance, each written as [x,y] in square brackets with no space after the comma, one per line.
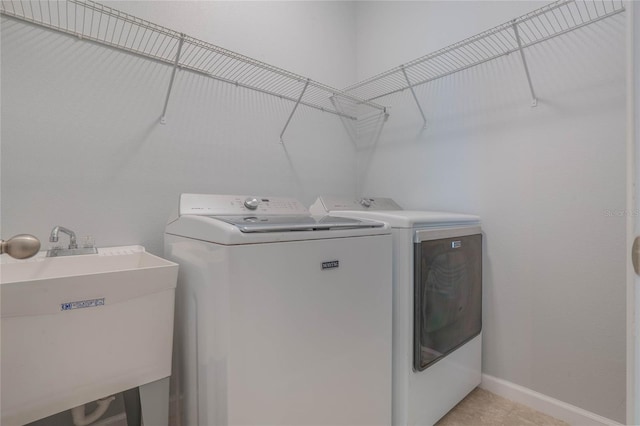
[483,408]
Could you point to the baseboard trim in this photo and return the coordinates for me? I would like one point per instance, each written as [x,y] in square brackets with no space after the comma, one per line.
[543,403]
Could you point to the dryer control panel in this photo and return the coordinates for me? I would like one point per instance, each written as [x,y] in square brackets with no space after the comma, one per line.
[222,205]
[336,203]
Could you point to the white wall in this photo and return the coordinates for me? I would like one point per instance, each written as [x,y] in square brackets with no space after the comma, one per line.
[312,38]
[82,146]
[548,182]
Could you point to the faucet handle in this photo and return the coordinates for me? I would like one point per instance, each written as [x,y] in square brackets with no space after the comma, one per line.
[87,241]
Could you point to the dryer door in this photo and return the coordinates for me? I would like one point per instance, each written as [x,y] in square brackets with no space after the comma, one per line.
[447,292]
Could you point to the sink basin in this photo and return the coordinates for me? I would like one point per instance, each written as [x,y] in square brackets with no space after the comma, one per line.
[78,328]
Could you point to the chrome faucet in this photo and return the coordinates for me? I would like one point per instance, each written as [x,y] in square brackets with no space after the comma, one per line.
[72,236]
[73,249]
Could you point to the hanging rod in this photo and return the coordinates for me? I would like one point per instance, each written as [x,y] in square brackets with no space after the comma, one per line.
[535,27]
[102,24]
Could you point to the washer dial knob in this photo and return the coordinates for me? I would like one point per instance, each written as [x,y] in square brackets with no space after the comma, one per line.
[251,203]
[365,202]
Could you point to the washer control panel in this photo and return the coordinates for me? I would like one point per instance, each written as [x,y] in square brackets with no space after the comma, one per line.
[333,203]
[214,205]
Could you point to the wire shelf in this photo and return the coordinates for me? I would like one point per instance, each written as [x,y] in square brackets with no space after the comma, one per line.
[102,24]
[535,27]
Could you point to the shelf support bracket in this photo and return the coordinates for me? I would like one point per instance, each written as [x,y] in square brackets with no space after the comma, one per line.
[304,89]
[415,98]
[163,119]
[534,100]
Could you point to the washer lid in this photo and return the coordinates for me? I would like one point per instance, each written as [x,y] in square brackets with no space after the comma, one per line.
[250,224]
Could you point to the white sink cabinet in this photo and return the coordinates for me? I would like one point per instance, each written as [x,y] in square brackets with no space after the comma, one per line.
[79,328]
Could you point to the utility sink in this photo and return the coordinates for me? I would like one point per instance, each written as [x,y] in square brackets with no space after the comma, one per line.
[78,328]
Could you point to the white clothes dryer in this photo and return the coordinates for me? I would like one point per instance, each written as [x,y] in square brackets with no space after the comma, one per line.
[281,318]
[437,304]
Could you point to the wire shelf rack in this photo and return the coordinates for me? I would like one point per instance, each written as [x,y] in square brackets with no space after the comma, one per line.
[108,26]
[535,27]
[102,24]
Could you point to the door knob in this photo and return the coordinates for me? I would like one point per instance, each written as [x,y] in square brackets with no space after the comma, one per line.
[21,246]
[635,255]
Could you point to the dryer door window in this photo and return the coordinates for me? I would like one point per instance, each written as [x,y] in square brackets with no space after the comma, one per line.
[447,296]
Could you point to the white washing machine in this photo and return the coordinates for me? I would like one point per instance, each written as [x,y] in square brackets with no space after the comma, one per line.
[437,304]
[281,318]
